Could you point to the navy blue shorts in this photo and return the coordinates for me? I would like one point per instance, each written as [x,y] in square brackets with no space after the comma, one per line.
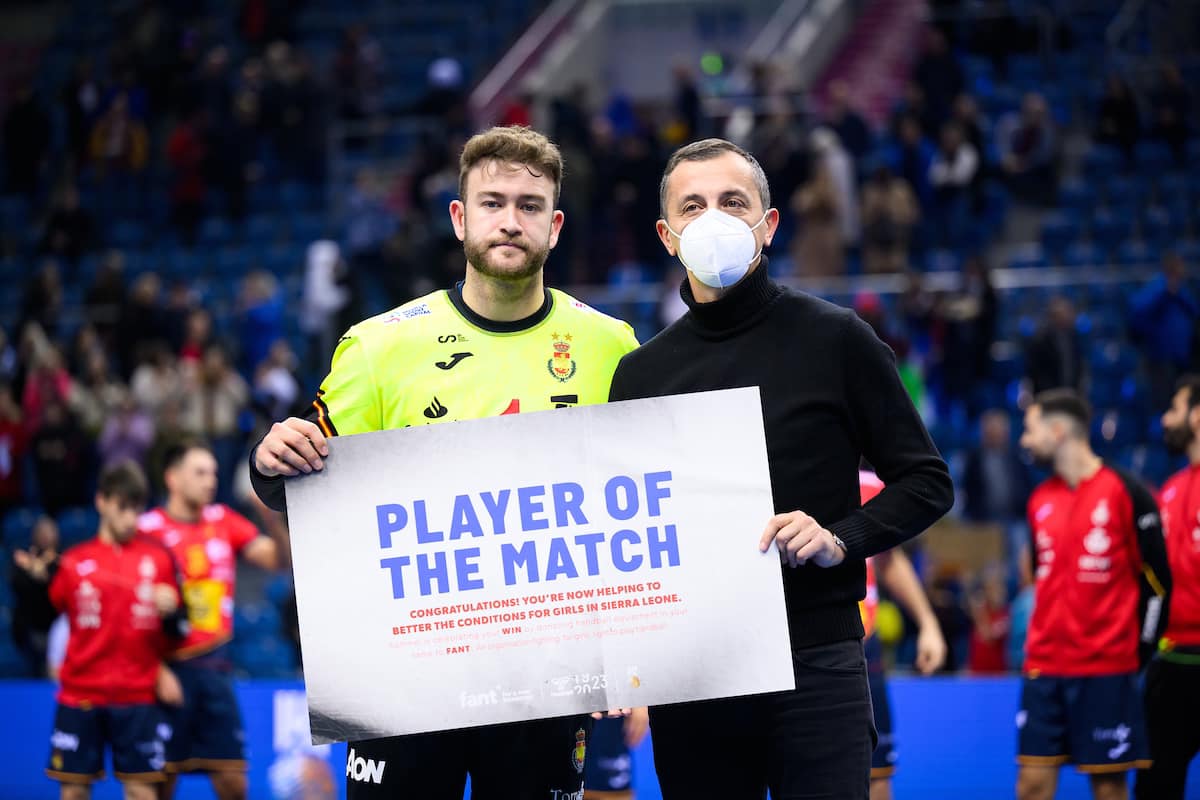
[1095,723]
[609,766]
[81,735]
[883,760]
[206,732]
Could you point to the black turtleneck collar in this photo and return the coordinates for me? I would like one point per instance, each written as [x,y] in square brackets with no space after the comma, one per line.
[739,305]
[493,326]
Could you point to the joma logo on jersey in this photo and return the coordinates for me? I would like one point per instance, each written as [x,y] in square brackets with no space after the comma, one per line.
[364,769]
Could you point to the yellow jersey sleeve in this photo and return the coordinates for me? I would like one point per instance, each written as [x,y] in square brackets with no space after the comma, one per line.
[348,400]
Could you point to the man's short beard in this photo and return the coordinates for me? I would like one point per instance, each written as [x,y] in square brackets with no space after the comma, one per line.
[477,257]
[1178,439]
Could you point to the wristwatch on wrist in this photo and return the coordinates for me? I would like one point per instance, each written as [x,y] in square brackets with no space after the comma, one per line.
[838,541]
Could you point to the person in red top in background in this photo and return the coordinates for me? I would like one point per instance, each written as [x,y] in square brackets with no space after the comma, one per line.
[116,591]
[206,539]
[1102,589]
[893,569]
[1173,679]
[992,624]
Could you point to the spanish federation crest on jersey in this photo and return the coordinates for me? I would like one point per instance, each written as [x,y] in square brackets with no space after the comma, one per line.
[579,751]
[561,365]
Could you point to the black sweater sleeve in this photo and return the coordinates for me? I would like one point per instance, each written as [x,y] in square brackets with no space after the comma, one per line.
[893,438]
[270,489]
[1155,584]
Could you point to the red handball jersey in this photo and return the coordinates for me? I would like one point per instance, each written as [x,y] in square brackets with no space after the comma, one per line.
[117,639]
[1102,576]
[206,551]
[869,485]
[1180,503]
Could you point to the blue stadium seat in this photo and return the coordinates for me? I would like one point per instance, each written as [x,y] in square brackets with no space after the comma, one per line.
[1077,196]
[262,229]
[1027,257]
[1136,253]
[1083,254]
[1152,156]
[1109,230]
[127,234]
[231,263]
[18,527]
[76,525]
[1165,224]
[1059,230]
[299,197]
[1102,161]
[256,619]
[215,232]
[942,261]
[265,657]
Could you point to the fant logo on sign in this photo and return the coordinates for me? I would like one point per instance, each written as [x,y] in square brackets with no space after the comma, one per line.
[364,769]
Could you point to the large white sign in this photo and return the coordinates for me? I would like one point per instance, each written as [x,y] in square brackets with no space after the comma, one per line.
[538,565]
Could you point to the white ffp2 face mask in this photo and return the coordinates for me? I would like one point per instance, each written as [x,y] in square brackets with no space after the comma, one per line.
[718,248]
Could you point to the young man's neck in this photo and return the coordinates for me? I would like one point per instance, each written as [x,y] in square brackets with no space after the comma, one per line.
[502,300]
[1076,462]
[1193,450]
[181,510]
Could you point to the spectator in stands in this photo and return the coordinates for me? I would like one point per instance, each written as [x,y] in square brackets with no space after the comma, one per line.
[968,319]
[214,397]
[991,624]
[817,249]
[952,176]
[852,130]
[1171,111]
[142,323]
[187,154]
[1118,122]
[829,153]
[96,395]
[69,229]
[261,318]
[995,480]
[80,99]
[32,613]
[324,295]
[43,299]
[1028,149]
[128,433]
[197,335]
[949,606]
[275,384]
[48,383]
[1163,317]
[940,77]
[156,381]
[358,72]
[1054,357]
[13,442]
[9,363]
[119,143]
[233,153]
[62,459]
[910,156]
[889,214]
[104,298]
[26,141]
[686,105]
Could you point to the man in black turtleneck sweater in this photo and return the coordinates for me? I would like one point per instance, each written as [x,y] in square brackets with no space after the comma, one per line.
[831,396]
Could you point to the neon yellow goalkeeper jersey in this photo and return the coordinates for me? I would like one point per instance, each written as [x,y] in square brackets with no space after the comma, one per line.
[435,360]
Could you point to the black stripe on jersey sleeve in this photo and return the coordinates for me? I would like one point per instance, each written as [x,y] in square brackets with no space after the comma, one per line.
[1155,582]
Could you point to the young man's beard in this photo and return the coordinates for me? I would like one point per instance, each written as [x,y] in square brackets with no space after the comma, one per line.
[1178,439]
[477,257]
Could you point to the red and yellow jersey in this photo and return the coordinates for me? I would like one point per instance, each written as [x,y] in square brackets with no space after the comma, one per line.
[869,485]
[1180,504]
[117,640]
[206,552]
[1101,576]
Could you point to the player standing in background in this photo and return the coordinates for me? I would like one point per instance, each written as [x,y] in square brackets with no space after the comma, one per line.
[205,539]
[1173,679]
[1102,585]
[499,342]
[119,594]
[894,571]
